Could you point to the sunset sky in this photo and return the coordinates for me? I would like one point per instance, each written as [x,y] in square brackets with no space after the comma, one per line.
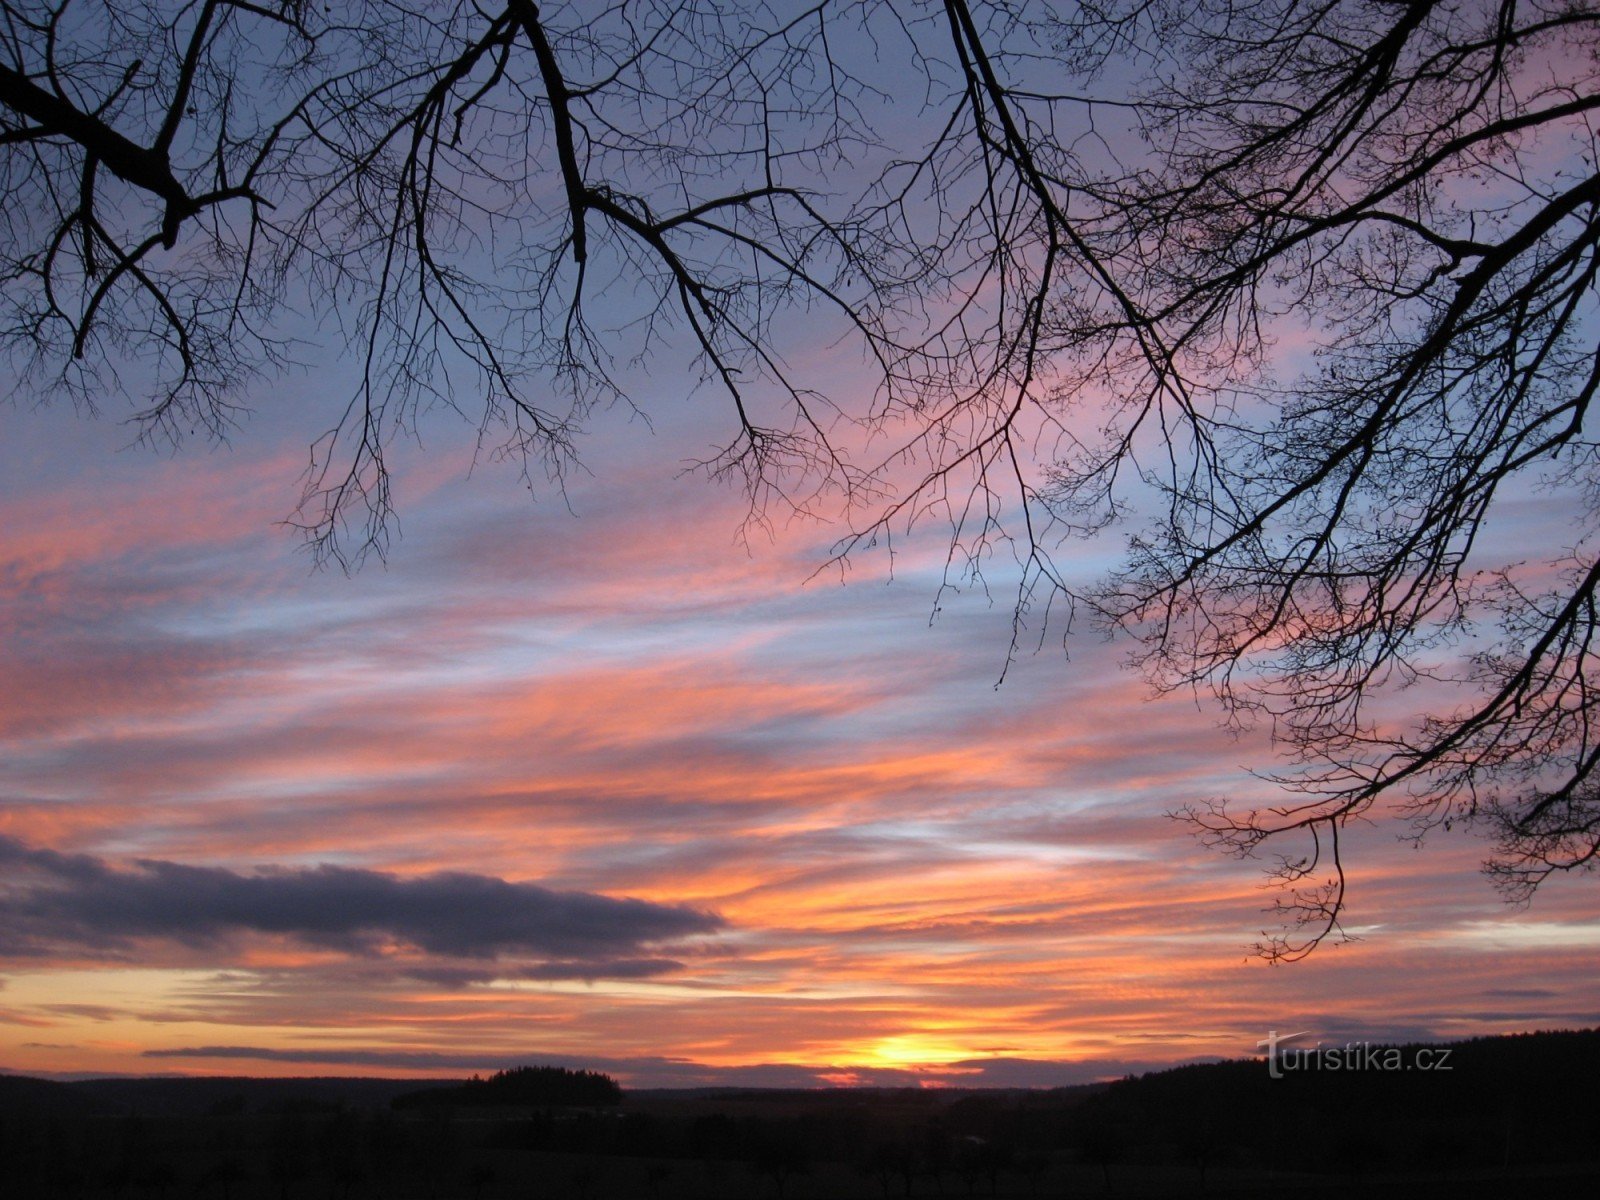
[592,782]
[610,775]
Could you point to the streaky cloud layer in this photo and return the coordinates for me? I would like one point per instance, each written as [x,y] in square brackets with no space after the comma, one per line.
[609,790]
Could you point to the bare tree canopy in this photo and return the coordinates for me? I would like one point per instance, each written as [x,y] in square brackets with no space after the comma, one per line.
[1302,295]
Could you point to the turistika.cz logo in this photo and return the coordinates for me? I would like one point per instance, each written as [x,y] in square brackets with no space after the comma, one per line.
[1352,1056]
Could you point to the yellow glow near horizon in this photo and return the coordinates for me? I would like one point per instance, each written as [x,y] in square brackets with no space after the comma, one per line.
[914,1050]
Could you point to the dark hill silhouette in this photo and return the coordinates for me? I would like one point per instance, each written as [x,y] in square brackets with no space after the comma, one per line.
[1488,1102]
[1507,1116]
[204,1095]
[25,1095]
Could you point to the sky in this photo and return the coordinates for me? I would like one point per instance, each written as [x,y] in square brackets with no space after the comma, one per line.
[594,780]
[607,778]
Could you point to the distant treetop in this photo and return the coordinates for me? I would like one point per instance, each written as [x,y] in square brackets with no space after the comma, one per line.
[520,1086]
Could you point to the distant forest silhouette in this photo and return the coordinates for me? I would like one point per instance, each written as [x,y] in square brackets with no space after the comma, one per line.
[520,1086]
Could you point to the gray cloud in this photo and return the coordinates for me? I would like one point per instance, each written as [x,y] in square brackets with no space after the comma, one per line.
[53,903]
[553,969]
[663,1072]
[409,1059]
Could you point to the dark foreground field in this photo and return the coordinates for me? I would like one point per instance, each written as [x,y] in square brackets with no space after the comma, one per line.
[1511,1116]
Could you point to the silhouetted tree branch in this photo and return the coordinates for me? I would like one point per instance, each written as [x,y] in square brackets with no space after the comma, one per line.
[1408,190]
